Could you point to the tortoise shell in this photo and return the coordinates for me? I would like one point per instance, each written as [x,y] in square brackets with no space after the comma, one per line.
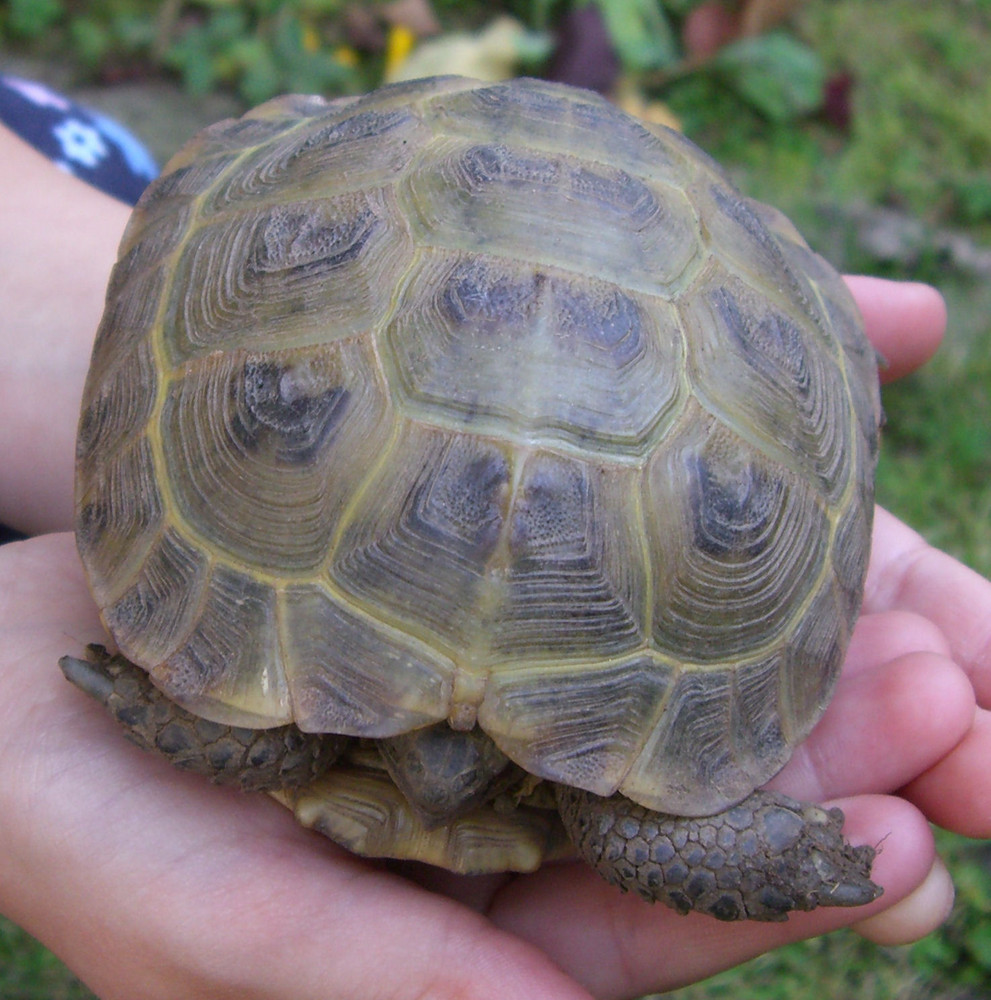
[486,403]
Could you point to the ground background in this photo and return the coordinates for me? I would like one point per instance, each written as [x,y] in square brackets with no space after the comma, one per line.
[867,121]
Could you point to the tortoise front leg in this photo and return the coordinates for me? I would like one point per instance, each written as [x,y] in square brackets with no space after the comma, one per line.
[756,861]
[251,759]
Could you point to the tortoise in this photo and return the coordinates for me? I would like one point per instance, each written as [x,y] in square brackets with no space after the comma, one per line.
[474,469]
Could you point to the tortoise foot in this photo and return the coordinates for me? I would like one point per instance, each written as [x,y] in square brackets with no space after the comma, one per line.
[758,860]
[251,759]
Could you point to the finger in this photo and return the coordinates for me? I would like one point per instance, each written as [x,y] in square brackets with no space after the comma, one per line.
[912,918]
[884,726]
[878,638]
[906,572]
[956,791]
[905,321]
[618,946]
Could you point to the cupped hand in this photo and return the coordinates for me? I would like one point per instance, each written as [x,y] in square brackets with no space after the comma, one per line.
[151,883]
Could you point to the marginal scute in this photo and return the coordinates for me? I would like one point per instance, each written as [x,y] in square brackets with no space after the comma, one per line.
[350,674]
[580,724]
[146,246]
[229,668]
[154,615]
[853,538]
[129,317]
[120,514]
[160,220]
[860,360]
[813,657]
[118,409]
[719,737]
[689,750]
[760,740]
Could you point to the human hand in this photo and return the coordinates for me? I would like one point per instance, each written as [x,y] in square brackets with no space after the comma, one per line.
[151,883]
[58,242]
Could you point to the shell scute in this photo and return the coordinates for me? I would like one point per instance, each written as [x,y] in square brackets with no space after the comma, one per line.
[792,404]
[582,723]
[522,203]
[421,553]
[575,576]
[541,355]
[155,614]
[352,676]
[286,275]
[347,152]
[261,450]
[738,542]
[531,113]
[229,667]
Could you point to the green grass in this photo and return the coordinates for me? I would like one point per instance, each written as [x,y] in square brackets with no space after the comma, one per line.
[29,971]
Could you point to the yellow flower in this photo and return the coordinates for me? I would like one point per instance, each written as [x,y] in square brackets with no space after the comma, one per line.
[398,46]
[628,96]
[346,56]
[311,38]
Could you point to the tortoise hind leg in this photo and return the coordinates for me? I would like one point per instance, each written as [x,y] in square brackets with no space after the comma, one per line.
[756,861]
[251,759]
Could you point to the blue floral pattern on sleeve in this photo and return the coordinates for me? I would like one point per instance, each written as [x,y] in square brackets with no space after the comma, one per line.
[86,144]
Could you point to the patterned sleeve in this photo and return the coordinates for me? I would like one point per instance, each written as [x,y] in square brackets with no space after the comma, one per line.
[90,146]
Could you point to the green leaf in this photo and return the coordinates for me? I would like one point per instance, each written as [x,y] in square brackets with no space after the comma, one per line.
[32,18]
[778,75]
[682,7]
[192,55]
[287,39]
[256,69]
[91,40]
[228,26]
[260,80]
[320,7]
[973,195]
[640,33]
